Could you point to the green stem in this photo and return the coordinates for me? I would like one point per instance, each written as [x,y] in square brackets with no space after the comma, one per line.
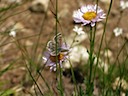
[91,60]
[60,70]
[74,79]
[73,41]
[60,81]
[91,54]
[102,37]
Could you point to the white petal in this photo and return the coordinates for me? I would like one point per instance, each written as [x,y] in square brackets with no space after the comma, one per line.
[92,24]
[12,33]
[84,9]
[118,31]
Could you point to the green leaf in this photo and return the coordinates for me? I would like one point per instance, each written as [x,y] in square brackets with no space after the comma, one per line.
[7,93]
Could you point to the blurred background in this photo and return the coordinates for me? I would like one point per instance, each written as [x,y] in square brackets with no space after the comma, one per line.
[27,25]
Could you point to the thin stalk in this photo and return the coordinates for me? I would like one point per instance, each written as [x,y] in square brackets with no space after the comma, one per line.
[45,82]
[35,90]
[34,81]
[93,38]
[74,79]
[113,66]
[110,72]
[24,54]
[73,41]
[102,37]
[97,3]
[40,33]
[26,37]
[124,65]
[13,15]
[91,54]
[60,70]
[60,81]
[117,24]
[91,60]
[123,69]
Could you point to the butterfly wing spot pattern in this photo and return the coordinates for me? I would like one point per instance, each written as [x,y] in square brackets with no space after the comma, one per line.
[58,39]
[51,47]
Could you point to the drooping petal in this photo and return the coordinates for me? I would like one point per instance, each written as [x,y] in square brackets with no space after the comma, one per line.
[92,24]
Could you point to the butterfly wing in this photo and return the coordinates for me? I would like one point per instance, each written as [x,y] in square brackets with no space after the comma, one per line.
[57,41]
[51,48]
[62,46]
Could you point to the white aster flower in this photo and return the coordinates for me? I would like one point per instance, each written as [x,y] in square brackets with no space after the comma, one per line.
[123,4]
[12,33]
[88,14]
[118,31]
[78,30]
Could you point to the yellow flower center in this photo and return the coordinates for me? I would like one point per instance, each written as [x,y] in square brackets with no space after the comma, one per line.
[59,57]
[89,15]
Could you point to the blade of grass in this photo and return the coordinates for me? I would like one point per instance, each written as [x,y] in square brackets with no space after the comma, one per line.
[45,82]
[110,6]
[34,81]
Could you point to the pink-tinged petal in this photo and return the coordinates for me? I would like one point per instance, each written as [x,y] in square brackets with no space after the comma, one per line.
[50,62]
[77,15]
[46,54]
[86,22]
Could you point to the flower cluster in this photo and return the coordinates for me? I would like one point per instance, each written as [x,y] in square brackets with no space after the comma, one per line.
[12,33]
[118,31]
[78,30]
[88,14]
[56,56]
[123,4]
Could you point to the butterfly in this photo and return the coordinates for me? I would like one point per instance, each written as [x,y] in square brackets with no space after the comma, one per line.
[57,45]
